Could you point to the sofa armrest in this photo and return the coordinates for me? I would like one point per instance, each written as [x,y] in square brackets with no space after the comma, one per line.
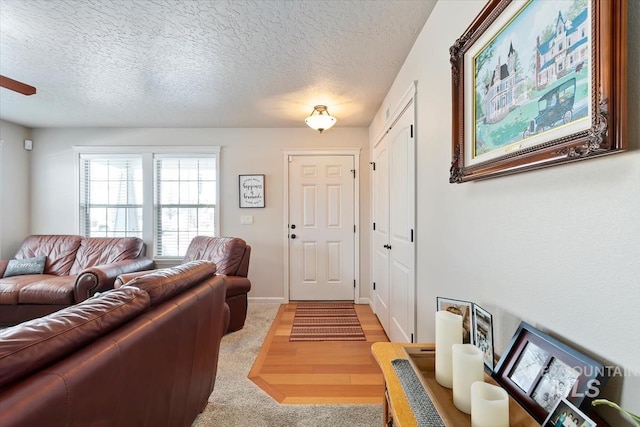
[100,278]
[123,278]
[3,266]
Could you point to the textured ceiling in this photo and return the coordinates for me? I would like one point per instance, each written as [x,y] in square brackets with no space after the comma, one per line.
[197,63]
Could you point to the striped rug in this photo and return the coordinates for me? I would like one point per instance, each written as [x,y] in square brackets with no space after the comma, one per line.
[326,322]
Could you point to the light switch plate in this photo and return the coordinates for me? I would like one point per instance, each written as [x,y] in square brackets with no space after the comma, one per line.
[246,219]
[28,144]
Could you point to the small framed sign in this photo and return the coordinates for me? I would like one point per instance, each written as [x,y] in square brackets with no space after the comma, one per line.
[251,188]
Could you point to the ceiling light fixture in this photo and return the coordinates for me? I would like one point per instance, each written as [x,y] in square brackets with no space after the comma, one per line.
[320,119]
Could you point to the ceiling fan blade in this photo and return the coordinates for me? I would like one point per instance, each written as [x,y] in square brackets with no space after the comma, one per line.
[16,86]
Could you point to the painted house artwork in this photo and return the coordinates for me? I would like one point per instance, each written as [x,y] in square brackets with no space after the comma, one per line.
[501,93]
[566,50]
[533,76]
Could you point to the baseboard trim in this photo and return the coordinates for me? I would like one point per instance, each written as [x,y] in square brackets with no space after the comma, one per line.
[268,300]
[280,300]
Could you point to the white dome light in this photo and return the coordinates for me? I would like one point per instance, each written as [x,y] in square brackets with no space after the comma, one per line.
[320,119]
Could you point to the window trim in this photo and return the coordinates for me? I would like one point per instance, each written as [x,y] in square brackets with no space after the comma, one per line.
[147,152]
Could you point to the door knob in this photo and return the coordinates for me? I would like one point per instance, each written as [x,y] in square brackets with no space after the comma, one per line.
[293,236]
[293,226]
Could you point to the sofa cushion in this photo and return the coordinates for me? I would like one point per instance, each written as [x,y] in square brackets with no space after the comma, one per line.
[60,251]
[37,289]
[35,344]
[106,250]
[19,267]
[164,283]
[47,289]
[226,252]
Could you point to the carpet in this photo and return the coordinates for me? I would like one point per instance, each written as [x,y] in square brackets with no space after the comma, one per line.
[326,322]
[237,402]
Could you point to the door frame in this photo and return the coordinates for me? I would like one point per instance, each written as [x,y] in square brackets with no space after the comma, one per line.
[355,152]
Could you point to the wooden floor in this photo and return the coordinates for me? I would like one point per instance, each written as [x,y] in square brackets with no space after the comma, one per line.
[320,372]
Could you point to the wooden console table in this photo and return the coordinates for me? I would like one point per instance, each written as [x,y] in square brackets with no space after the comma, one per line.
[397,411]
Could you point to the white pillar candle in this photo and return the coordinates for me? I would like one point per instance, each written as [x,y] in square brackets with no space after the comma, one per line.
[468,367]
[489,405]
[448,333]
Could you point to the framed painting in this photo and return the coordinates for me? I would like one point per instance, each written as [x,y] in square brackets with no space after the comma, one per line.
[483,335]
[538,83]
[462,308]
[251,190]
[538,371]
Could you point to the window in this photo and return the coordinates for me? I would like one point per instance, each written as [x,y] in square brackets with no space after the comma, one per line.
[185,190]
[111,196]
[164,195]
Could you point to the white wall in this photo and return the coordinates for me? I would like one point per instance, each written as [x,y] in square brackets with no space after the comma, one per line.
[244,151]
[558,248]
[14,188]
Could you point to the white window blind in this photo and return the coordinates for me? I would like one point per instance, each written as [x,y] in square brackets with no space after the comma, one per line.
[185,201]
[111,195]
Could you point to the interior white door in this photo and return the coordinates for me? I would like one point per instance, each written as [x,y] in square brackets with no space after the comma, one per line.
[401,228]
[381,256]
[394,229]
[322,227]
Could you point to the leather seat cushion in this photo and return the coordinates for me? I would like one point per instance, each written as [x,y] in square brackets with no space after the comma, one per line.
[37,289]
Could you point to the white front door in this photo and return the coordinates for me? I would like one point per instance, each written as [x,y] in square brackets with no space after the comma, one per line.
[321,227]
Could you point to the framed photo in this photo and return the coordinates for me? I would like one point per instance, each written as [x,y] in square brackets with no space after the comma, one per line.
[565,414]
[538,371]
[251,189]
[538,83]
[483,334]
[464,309]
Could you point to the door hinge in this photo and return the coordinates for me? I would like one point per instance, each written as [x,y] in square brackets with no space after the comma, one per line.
[373,164]
[412,338]
[354,228]
[411,131]
[354,283]
[374,286]
[354,173]
[412,234]
[374,226]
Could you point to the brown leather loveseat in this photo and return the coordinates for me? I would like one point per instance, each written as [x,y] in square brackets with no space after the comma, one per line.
[75,268]
[231,255]
[142,355]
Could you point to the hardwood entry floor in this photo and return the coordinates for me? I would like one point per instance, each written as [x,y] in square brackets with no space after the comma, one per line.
[320,372]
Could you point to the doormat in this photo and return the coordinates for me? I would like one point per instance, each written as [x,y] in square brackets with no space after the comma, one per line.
[326,322]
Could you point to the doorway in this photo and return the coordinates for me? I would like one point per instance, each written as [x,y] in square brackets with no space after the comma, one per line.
[322,225]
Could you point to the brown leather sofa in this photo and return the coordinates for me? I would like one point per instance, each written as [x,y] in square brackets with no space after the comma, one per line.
[142,355]
[231,255]
[76,267]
